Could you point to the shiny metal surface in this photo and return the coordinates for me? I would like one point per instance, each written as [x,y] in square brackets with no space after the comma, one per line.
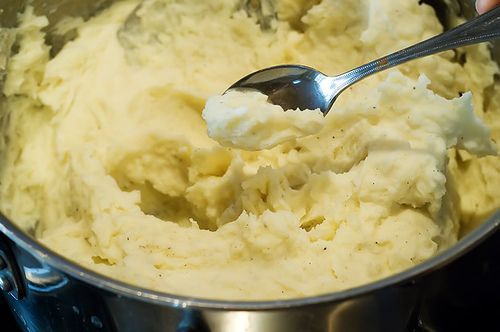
[10,277]
[56,295]
[5,284]
[294,86]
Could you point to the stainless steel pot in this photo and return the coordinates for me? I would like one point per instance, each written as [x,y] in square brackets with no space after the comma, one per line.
[49,293]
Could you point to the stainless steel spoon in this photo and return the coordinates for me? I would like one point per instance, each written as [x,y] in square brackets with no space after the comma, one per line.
[295,86]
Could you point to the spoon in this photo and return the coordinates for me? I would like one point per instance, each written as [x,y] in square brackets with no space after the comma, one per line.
[296,86]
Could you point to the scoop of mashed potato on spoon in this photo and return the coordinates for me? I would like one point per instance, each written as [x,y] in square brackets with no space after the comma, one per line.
[245,120]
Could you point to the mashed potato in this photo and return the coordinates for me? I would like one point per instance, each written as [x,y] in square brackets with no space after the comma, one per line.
[106,157]
[245,120]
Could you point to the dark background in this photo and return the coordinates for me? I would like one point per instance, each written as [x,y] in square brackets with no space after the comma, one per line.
[469,302]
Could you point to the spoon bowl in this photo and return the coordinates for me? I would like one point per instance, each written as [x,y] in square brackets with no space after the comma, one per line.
[291,87]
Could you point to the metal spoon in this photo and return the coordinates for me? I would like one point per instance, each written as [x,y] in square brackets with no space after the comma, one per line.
[295,86]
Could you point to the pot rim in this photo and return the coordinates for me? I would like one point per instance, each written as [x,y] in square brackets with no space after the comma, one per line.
[120,288]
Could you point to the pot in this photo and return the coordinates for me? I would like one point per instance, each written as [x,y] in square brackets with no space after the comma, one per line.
[47,292]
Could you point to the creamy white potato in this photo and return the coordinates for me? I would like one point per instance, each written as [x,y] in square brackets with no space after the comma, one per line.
[106,157]
[246,120]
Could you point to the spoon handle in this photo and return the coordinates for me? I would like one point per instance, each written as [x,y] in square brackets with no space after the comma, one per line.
[485,27]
